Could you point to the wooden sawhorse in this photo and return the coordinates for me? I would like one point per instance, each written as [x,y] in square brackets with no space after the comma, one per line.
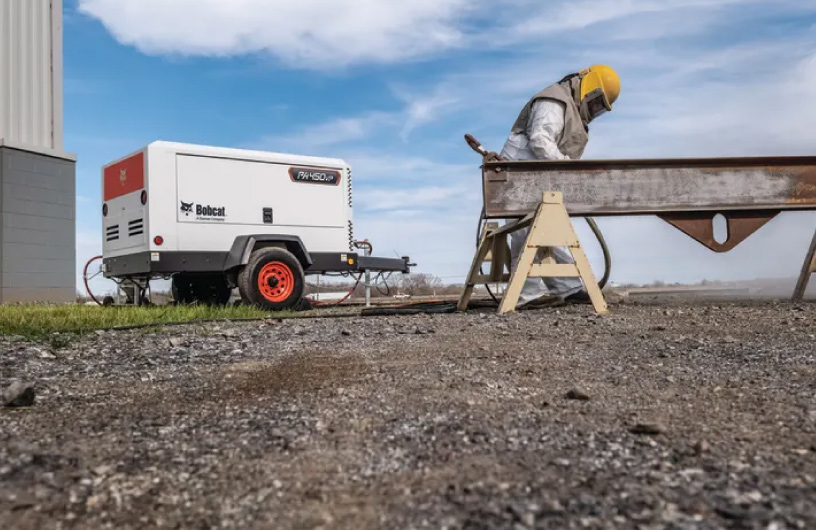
[550,227]
[808,268]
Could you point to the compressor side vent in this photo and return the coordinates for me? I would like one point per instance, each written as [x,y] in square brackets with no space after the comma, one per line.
[112,233]
[136,227]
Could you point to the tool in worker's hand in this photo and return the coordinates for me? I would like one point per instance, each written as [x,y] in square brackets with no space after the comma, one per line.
[479,148]
[475,145]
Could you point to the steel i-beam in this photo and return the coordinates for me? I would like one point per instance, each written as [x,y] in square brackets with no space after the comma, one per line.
[687,193]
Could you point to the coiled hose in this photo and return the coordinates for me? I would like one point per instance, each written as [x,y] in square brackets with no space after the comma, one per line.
[86,280]
[607,255]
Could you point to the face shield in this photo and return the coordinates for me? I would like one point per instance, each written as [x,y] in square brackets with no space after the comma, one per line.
[594,104]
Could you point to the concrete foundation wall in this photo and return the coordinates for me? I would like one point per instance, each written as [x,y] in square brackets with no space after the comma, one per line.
[37,227]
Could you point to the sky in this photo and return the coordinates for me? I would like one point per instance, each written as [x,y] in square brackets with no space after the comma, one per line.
[392,86]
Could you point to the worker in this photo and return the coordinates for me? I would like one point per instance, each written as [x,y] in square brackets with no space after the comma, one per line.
[554,125]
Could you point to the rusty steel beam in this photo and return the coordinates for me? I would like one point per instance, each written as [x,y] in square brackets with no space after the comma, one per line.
[638,187]
[687,193]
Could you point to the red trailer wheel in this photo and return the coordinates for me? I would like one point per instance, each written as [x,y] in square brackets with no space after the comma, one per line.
[276,282]
[273,279]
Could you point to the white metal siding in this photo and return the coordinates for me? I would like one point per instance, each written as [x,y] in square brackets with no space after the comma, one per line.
[31,83]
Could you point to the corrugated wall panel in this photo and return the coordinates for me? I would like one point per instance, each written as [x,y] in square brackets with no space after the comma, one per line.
[37,226]
[31,72]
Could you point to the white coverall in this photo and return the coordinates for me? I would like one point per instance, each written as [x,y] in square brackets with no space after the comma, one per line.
[544,127]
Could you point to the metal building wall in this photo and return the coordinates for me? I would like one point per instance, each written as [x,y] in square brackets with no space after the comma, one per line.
[37,178]
[31,73]
[37,227]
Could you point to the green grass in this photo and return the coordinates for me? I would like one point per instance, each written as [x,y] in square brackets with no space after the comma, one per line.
[59,325]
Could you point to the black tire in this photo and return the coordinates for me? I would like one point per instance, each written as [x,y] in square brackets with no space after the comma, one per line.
[182,289]
[211,289]
[207,289]
[289,286]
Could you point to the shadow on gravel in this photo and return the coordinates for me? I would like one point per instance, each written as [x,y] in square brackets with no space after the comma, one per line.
[299,373]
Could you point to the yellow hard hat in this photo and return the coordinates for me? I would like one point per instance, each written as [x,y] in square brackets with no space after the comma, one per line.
[600,88]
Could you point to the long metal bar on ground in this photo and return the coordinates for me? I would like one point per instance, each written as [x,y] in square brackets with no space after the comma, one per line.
[642,187]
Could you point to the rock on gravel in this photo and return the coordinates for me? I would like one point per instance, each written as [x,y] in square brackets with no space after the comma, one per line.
[647,429]
[576,395]
[702,447]
[19,395]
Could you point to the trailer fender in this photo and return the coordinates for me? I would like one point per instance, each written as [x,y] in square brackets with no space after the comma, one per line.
[243,246]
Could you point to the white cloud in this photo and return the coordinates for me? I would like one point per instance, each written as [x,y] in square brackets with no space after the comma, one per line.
[312,32]
[331,132]
[576,15]
[372,199]
[418,111]
[384,167]
[423,110]
[329,34]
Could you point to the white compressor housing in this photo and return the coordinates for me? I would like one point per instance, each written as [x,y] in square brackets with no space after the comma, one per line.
[213,219]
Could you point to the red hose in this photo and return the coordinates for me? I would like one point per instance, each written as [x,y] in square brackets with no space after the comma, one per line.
[351,291]
[358,244]
[85,279]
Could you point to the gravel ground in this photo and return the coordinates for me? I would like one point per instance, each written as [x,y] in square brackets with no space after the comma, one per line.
[657,416]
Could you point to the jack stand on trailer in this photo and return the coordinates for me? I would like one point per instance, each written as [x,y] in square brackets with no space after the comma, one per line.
[130,292]
[368,250]
[550,227]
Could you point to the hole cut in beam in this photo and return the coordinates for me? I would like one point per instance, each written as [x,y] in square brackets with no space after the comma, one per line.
[720,228]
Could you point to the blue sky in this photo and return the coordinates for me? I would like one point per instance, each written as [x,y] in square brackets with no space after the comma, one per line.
[392,87]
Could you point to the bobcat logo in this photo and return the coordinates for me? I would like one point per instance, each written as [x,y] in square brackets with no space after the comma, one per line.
[187,207]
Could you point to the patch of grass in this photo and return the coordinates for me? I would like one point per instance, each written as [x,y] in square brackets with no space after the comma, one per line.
[53,323]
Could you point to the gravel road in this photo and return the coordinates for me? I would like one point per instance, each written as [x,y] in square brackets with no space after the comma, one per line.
[664,416]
